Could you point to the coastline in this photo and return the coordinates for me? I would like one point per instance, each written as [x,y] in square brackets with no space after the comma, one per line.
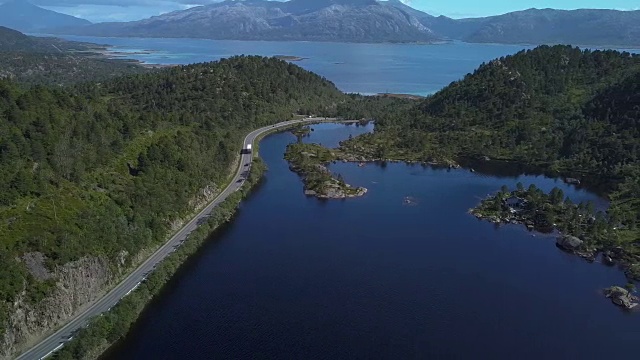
[109,53]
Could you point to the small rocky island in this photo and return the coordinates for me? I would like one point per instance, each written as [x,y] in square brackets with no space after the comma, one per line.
[310,162]
[583,231]
[582,228]
[621,297]
[301,131]
[289,58]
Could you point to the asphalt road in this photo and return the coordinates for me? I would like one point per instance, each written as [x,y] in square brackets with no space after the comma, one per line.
[56,341]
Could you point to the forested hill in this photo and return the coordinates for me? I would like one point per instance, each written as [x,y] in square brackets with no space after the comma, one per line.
[555,106]
[90,177]
[569,112]
[13,40]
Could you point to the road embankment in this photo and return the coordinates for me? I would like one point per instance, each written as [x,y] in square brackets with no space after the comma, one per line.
[113,325]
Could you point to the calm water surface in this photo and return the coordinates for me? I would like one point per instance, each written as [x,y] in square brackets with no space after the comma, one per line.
[363,68]
[297,278]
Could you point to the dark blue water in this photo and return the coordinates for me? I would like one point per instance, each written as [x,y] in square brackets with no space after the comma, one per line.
[298,278]
[362,68]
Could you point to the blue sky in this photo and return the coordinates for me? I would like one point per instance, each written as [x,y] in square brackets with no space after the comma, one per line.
[126,10]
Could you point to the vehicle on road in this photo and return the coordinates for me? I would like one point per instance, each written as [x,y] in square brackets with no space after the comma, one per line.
[49,345]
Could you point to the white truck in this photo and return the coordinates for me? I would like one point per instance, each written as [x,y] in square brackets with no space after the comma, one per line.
[247,150]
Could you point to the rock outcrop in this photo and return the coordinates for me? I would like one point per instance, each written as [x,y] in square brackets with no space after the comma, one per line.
[310,162]
[334,190]
[621,297]
[77,284]
[569,243]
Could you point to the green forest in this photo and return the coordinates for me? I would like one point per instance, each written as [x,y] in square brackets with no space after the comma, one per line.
[103,165]
[103,168]
[566,111]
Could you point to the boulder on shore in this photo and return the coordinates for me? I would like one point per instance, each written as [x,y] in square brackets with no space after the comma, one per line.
[621,297]
[568,242]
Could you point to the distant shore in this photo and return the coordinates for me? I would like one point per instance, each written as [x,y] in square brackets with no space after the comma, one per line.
[401,96]
[111,53]
[289,57]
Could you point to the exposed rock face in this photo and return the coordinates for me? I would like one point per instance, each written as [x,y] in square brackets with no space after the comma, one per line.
[35,264]
[621,297]
[335,191]
[78,283]
[569,243]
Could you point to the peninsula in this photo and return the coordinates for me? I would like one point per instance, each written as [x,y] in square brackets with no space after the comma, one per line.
[310,162]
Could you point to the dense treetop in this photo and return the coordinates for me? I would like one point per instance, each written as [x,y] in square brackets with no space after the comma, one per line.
[104,168]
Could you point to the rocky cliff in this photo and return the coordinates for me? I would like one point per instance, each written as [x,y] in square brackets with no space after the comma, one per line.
[76,285]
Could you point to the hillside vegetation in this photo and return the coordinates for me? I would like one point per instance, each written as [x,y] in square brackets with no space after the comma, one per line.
[40,60]
[105,170]
[566,111]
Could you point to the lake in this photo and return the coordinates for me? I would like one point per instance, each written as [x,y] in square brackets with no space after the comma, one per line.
[297,278]
[362,68]
[294,277]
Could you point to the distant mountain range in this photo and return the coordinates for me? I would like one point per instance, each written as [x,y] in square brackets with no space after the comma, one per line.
[24,16]
[359,21]
[312,20]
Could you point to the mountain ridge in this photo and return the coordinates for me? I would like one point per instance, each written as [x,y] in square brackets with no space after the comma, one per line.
[26,17]
[544,26]
[374,21]
[326,20]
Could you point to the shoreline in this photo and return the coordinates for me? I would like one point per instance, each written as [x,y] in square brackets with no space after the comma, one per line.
[145,290]
[108,53]
[363,151]
[310,162]
[580,229]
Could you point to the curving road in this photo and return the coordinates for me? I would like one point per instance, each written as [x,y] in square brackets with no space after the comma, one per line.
[56,341]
